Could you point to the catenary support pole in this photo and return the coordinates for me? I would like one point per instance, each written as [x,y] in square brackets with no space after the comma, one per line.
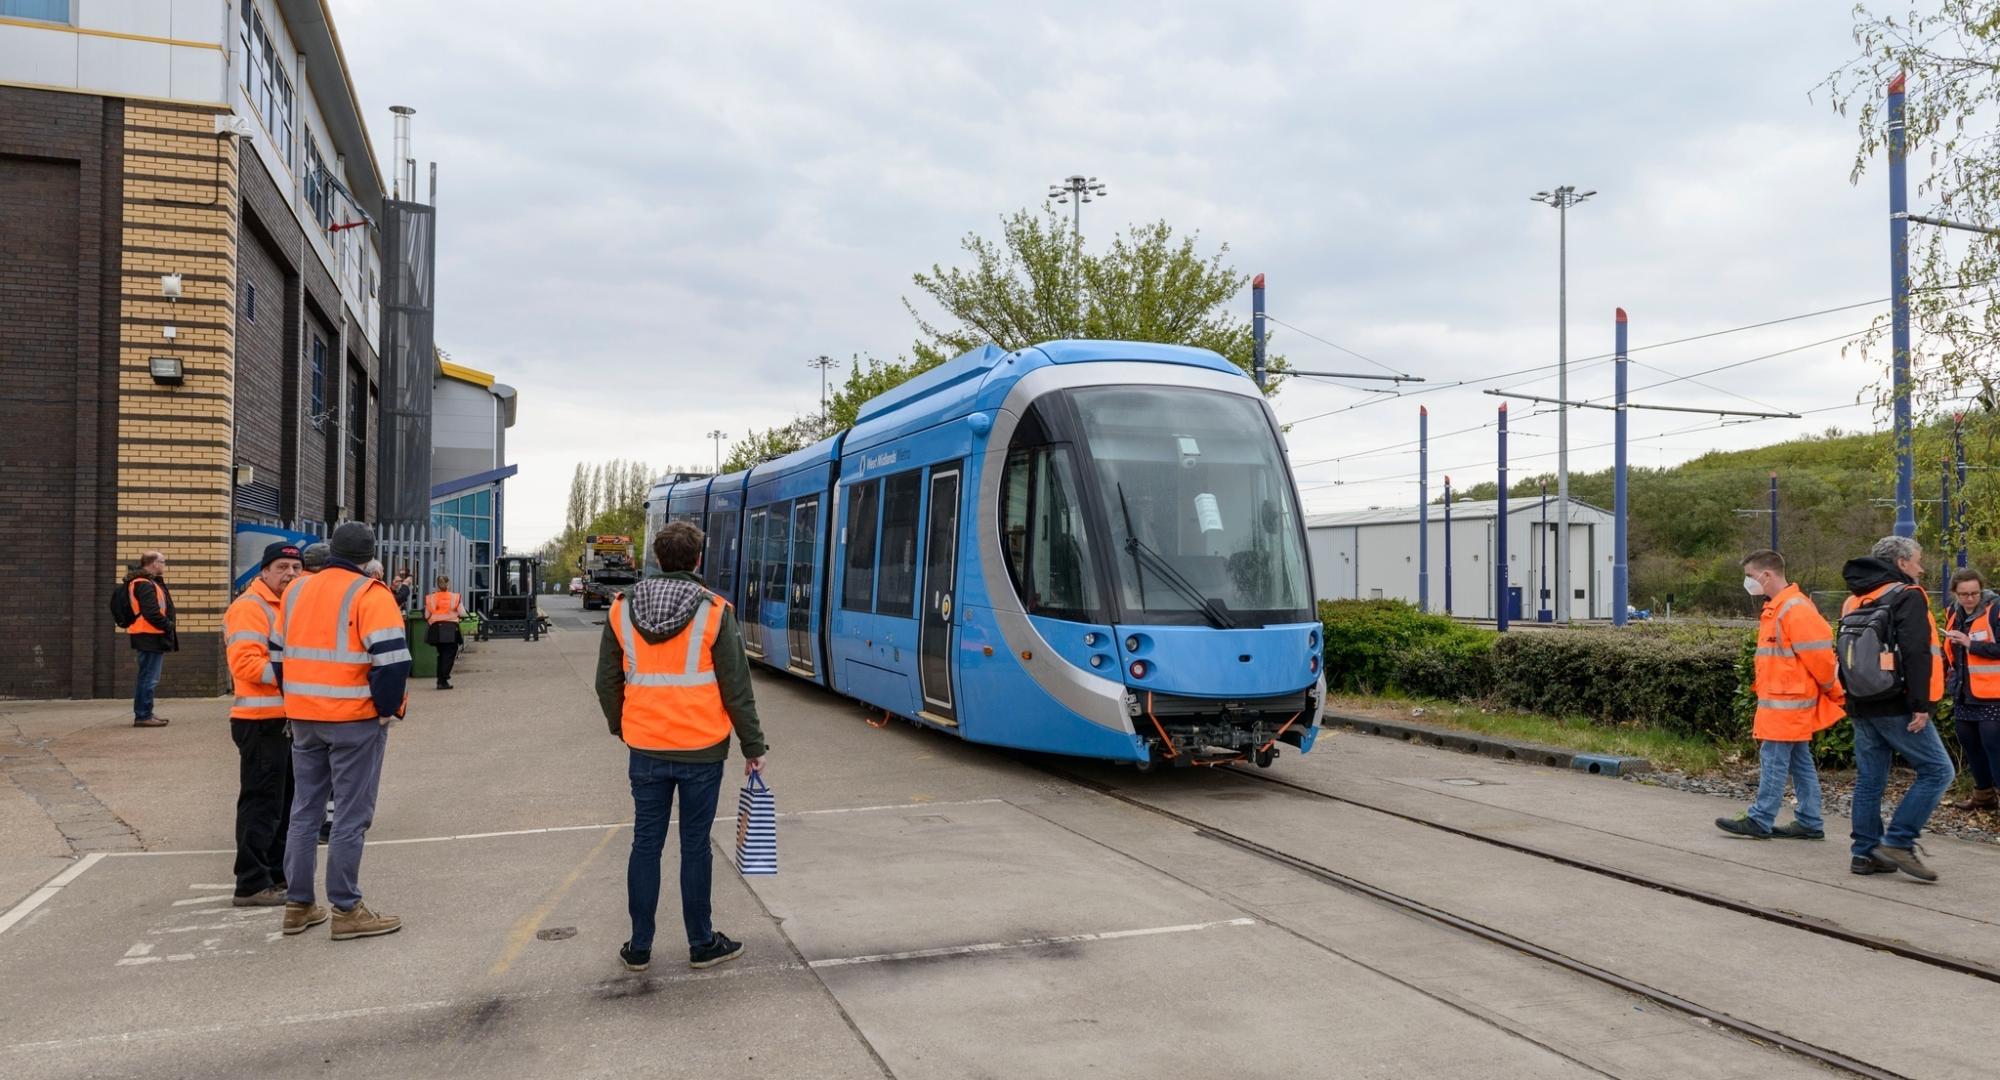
[1620,568]
[1500,534]
[1544,594]
[1958,504]
[1563,569]
[1447,545]
[1774,510]
[1944,532]
[1257,329]
[1423,509]
[1899,297]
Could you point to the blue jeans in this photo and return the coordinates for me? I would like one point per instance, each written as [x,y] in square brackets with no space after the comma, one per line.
[345,760]
[653,784]
[1776,761]
[150,666]
[1877,740]
[1978,725]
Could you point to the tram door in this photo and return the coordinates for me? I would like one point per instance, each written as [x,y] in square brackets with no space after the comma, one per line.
[753,583]
[805,557]
[940,582]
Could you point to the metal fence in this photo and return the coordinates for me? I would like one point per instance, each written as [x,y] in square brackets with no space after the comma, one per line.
[426,553]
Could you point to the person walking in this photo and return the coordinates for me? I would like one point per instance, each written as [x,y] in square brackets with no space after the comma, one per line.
[257,724]
[1973,675]
[1897,721]
[344,663]
[442,610]
[1798,694]
[152,633]
[673,681]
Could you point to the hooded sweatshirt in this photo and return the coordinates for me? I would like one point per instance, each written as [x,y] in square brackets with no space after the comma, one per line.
[1910,632]
[662,607]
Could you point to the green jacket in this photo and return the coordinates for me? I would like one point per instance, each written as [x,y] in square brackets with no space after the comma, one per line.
[732,675]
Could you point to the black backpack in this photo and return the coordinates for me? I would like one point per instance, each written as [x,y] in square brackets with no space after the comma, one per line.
[1863,642]
[122,611]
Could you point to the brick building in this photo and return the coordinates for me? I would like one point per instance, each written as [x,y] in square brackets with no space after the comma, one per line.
[188,320]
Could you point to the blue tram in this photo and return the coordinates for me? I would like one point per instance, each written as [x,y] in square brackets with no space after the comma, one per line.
[1086,547]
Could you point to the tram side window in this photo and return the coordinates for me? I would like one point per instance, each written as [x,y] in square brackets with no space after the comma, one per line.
[719,562]
[895,592]
[1042,529]
[863,525]
[777,552]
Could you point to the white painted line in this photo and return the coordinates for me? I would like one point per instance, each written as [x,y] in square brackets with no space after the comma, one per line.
[141,949]
[76,871]
[1031,943]
[192,900]
[231,886]
[48,890]
[897,806]
[135,961]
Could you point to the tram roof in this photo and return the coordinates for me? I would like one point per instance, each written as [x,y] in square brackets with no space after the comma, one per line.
[977,364]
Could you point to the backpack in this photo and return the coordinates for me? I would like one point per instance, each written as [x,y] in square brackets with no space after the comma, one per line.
[122,611]
[1863,640]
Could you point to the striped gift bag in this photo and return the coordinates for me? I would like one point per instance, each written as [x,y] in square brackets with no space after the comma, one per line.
[756,828]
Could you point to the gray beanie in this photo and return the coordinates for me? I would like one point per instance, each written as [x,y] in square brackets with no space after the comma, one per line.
[314,556]
[353,541]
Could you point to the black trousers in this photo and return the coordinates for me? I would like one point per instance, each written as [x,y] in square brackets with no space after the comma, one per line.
[447,656]
[263,802]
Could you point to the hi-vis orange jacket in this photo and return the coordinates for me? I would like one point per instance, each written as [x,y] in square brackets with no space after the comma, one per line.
[1937,687]
[1797,683]
[441,607]
[340,648]
[1981,673]
[672,699]
[246,629]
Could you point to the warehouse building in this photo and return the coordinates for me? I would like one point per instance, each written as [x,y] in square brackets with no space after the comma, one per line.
[188,313]
[1373,554]
[470,414]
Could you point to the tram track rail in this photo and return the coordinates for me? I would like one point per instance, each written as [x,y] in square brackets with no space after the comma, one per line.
[1747,1029]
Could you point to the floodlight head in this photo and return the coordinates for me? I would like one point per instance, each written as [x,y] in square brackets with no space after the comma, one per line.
[1586,194]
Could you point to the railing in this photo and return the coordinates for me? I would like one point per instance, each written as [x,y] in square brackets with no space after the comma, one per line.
[424,554]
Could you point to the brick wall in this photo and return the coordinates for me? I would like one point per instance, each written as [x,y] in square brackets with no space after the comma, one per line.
[260,357]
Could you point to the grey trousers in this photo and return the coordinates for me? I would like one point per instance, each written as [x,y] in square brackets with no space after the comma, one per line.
[343,760]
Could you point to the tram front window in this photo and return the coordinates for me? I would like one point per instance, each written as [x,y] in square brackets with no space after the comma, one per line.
[1192,491]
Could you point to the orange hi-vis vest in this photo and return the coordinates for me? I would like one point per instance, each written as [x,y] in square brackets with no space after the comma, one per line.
[1797,682]
[1982,673]
[1937,687]
[141,624]
[328,622]
[441,607]
[672,701]
[246,630]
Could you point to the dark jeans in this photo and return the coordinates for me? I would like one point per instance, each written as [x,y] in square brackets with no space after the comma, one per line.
[263,802]
[1877,741]
[447,656]
[150,666]
[344,759]
[653,784]
[1978,724]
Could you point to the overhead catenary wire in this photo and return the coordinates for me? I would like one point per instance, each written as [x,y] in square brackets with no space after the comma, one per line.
[1334,344]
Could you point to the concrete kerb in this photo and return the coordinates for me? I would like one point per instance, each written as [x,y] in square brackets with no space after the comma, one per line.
[1490,746]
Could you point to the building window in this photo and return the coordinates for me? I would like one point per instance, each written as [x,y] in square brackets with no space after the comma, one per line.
[267,88]
[318,409]
[356,416]
[41,10]
[249,301]
[895,590]
[319,190]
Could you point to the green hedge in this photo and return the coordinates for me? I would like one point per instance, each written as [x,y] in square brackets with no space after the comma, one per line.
[1687,684]
[1382,646]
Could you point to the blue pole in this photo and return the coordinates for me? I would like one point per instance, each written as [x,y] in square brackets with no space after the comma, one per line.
[1958,451]
[1423,509]
[1500,535]
[1620,568]
[1257,328]
[1774,510]
[1899,295]
[1447,545]
[1944,532]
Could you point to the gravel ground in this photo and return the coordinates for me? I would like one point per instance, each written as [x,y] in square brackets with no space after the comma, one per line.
[1738,784]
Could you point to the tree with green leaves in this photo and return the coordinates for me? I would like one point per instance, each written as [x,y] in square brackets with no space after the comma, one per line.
[1949,59]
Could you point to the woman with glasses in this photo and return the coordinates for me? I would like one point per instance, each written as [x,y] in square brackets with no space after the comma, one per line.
[1975,684]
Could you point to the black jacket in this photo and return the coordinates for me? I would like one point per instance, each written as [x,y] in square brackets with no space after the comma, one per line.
[1910,632]
[156,606]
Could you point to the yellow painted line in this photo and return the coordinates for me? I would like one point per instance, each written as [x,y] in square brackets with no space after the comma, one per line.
[84,31]
[524,930]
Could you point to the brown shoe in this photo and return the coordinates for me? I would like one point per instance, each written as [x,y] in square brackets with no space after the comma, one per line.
[1980,799]
[358,922]
[1905,859]
[302,917]
[270,897]
[150,721]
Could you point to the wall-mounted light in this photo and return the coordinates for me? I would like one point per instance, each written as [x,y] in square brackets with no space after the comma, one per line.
[170,286]
[245,475]
[166,370]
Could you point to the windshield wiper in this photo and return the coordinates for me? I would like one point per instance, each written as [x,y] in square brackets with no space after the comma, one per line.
[1143,556]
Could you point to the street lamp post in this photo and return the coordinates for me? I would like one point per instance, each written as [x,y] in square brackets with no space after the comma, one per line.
[1077,190]
[718,435]
[1562,199]
[822,363]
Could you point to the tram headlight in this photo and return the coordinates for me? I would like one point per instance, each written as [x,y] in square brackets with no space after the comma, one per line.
[1132,643]
[1314,665]
[1139,669]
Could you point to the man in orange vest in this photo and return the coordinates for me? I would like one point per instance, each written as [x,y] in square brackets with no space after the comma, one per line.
[673,681]
[1798,693]
[1974,677]
[442,610]
[152,634]
[344,663]
[1898,722]
[257,723]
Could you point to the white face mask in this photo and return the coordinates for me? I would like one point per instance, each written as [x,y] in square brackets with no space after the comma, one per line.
[1750,586]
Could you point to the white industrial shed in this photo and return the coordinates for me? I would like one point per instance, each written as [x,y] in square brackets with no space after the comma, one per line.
[1363,554]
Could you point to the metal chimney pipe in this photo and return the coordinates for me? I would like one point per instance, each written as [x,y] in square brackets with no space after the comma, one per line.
[405,184]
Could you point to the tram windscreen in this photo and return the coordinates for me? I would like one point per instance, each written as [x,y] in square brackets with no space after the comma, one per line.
[1193,492]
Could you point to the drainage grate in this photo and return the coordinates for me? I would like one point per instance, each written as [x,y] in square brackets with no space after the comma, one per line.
[556,933]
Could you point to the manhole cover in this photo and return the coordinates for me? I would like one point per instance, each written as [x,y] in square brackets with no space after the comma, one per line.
[1463,781]
[556,933]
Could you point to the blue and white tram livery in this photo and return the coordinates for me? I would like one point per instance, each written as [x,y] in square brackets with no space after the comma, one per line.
[1090,548]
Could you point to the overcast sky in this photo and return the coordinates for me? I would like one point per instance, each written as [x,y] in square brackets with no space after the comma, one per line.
[652,215]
